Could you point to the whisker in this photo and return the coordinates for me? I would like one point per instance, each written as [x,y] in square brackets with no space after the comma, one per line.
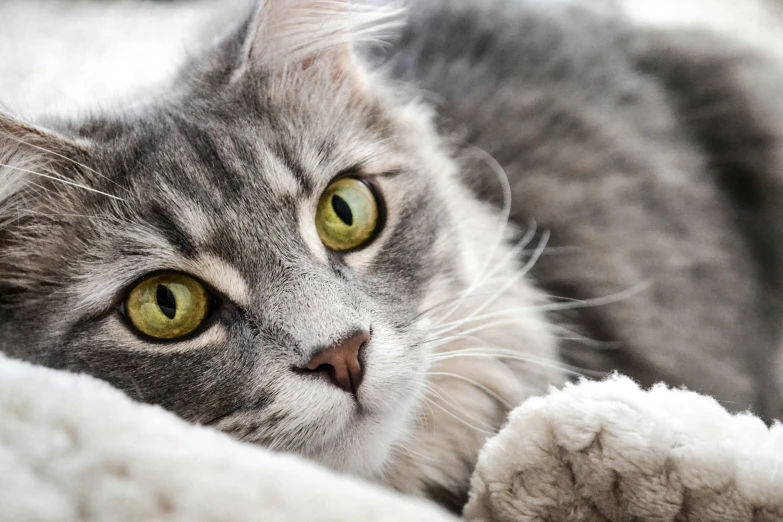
[110,219]
[463,421]
[61,156]
[560,250]
[505,186]
[483,279]
[412,453]
[477,384]
[60,180]
[445,302]
[588,341]
[436,343]
[431,389]
[437,391]
[432,412]
[475,329]
[512,281]
[570,304]
[546,363]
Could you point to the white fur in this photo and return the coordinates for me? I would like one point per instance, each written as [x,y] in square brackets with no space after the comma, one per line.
[293,30]
[221,275]
[14,177]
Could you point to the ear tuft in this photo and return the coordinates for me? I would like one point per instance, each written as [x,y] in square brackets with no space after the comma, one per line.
[29,155]
[286,32]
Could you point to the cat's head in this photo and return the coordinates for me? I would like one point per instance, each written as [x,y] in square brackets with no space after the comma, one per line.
[257,250]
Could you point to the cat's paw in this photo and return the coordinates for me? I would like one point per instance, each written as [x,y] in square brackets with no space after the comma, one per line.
[610,451]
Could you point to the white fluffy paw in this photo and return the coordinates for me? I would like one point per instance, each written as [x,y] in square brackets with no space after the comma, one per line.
[610,451]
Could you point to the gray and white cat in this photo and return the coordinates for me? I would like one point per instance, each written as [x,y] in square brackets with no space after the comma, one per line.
[367,254]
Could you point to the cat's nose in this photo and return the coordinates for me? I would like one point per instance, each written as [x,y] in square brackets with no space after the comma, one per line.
[342,362]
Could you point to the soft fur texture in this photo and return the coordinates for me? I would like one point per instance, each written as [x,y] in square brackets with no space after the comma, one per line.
[609,451]
[74,449]
[642,174]
[219,178]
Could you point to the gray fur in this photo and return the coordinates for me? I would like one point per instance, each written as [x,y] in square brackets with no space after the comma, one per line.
[652,157]
[649,161]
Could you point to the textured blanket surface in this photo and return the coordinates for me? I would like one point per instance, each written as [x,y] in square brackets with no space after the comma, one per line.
[74,449]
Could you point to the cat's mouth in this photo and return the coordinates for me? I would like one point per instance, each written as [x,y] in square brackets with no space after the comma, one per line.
[325,377]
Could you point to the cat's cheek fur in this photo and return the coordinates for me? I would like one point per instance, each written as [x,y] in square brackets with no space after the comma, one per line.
[309,233]
[487,345]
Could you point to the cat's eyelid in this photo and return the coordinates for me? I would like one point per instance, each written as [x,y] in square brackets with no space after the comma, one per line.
[368,172]
[388,174]
[217,274]
[391,173]
[220,275]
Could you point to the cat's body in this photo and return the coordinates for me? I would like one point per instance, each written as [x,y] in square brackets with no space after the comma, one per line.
[652,157]
[644,171]
[655,160]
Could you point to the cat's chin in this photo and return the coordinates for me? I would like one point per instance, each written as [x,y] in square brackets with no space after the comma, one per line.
[367,448]
[383,413]
[375,427]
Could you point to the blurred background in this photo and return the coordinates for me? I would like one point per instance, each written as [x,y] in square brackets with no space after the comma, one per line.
[64,55]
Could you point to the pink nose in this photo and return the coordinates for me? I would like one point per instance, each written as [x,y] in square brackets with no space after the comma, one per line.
[341,362]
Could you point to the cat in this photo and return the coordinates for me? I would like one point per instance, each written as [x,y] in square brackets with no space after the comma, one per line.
[364,235]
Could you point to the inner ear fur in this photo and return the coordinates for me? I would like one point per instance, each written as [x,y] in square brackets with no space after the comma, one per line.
[314,36]
[34,157]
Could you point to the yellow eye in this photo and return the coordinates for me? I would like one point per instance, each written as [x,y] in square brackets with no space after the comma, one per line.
[347,215]
[167,306]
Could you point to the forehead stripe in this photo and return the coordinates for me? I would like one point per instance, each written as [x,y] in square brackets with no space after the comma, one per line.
[168,226]
[296,169]
[207,149]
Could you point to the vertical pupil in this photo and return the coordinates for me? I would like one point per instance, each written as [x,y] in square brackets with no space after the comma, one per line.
[166,301]
[342,209]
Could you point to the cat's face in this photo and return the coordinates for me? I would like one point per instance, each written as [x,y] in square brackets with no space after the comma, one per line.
[287,334]
[235,204]
[223,186]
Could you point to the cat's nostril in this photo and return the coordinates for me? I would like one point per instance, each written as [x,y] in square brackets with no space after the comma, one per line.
[342,362]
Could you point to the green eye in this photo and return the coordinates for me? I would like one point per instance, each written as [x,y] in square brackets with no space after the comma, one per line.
[167,306]
[347,215]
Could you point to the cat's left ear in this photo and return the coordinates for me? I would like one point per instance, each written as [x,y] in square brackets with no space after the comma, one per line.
[313,35]
[32,155]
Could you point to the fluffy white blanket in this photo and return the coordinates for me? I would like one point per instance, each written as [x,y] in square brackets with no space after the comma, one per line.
[72,448]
